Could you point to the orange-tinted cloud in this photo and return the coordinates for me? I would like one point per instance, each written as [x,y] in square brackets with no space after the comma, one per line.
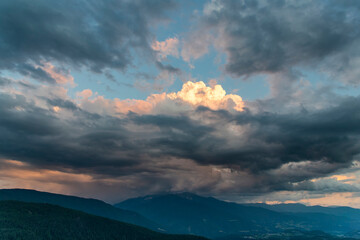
[16,174]
[85,94]
[215,98]
[192,94]
[59,77]
[115,106]
[337,199]
[169,47]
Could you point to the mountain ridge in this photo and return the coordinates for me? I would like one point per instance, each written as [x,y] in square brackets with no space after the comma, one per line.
[88,205]
[298,207]
[42,221]
[188,213]
[210,217]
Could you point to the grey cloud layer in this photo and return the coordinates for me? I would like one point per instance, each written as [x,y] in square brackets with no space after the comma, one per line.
[94,34]
[274,151]
[272,36]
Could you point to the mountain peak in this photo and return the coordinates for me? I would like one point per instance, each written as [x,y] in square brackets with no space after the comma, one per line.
[186,195]
[183,195]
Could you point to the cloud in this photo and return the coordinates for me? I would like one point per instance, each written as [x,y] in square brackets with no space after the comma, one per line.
[331,199]
[275,36]
[4,81]
[196,45]
[199,138]
[59,76]
[191,96]
[85,94]
[169,47]
[157,83]
[46,72]
[90,34]
[168,68]
[34,71]
[198,94]
[190,140]
[328,185]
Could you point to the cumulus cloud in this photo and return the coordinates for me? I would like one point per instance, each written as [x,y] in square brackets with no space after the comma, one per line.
[198,94]
[191,96]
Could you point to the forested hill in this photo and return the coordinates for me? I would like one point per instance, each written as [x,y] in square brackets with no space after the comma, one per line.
[91,206]
[29,221]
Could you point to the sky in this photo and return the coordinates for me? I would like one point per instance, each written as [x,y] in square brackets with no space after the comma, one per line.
[243,100]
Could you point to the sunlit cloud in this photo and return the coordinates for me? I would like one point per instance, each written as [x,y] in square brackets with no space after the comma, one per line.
[61,77]
[16,174]
[56,108]
[192,94]
[215,98]
[334,199]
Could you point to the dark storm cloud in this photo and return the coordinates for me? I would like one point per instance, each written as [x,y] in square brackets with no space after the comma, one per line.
[168,68]
[91,34]
[324,186]
[34,72]
[275,150]
[37,136]
[275,139]
[19,117]
[272,36]
[58,102]
[271,139]
[280,149]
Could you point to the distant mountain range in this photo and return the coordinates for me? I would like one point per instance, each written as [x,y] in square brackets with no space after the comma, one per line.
[300,208]
[207,216]
[39,221]
[289,235]
[187,213]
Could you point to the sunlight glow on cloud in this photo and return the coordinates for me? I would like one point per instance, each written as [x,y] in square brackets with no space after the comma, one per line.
[334,199]
[330,199]
[56,108]
[343,177]
[58,76]
[193,94]
[16,174]
[215,98]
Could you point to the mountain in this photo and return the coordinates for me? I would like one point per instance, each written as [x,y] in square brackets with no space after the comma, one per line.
[301,208]
[189,213]
[91,206]
[209,217]
[28,221]
[290,235]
